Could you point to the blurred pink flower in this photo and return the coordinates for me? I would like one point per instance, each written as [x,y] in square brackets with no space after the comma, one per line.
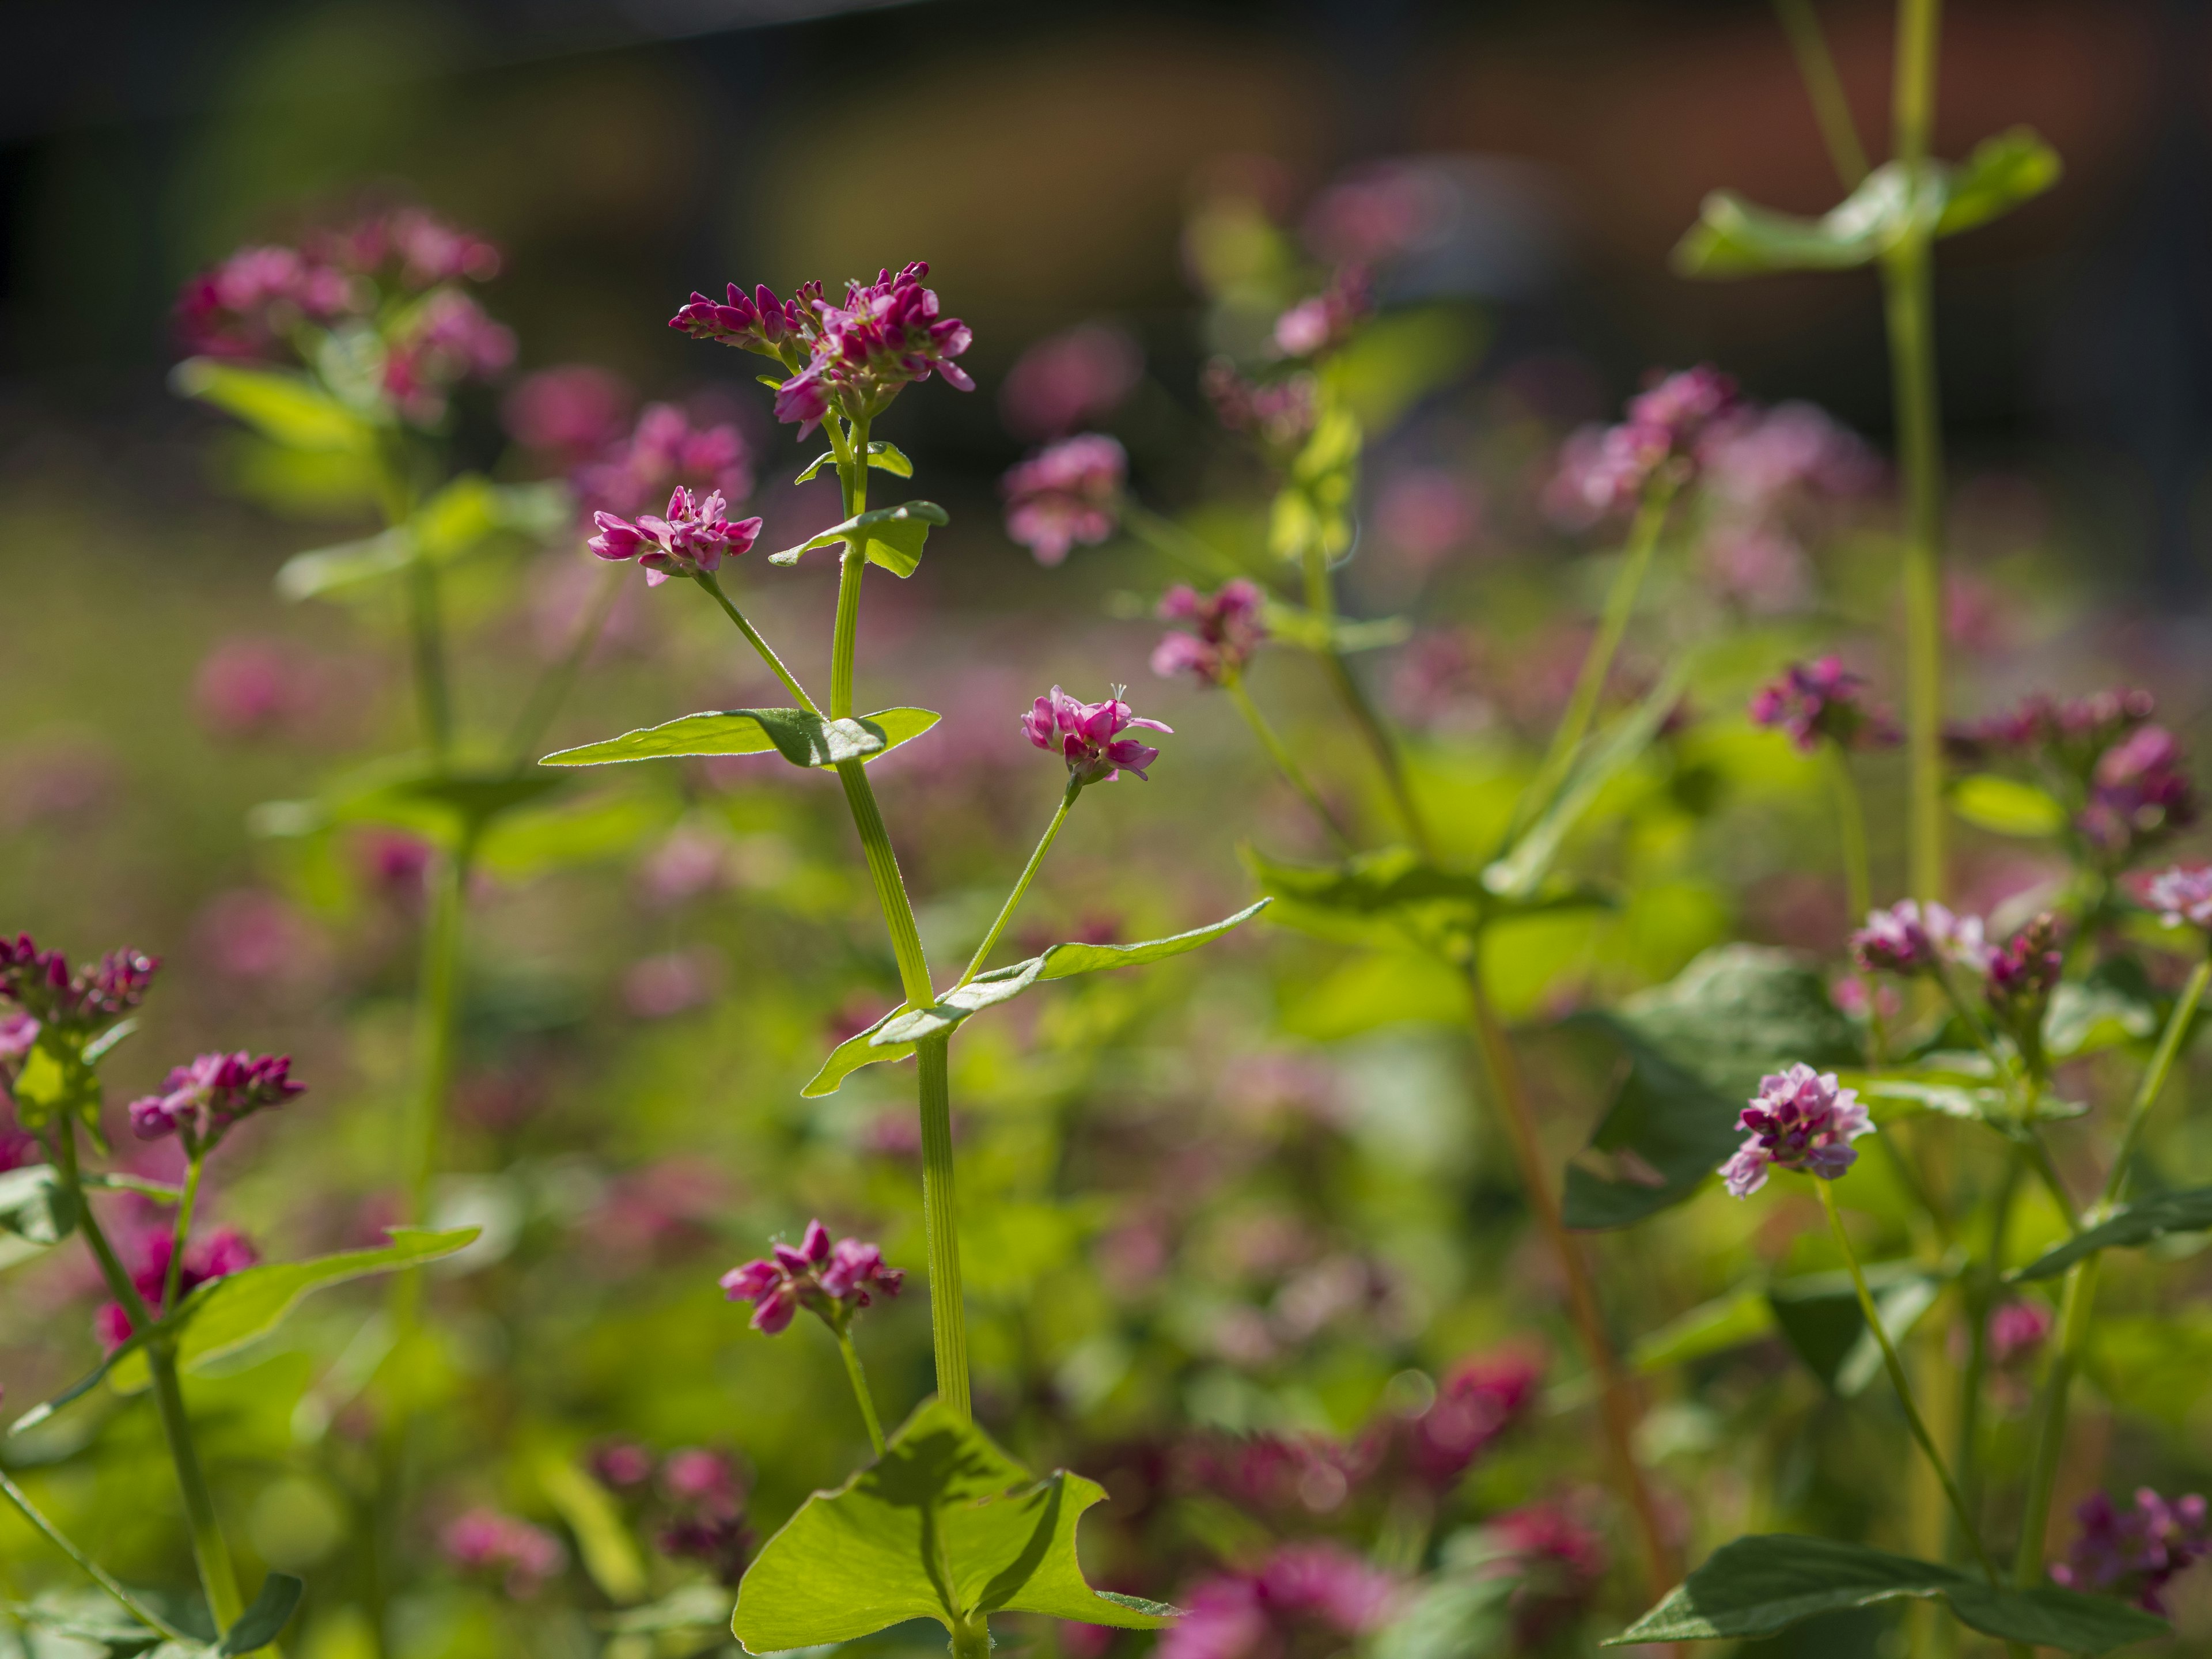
[570,413]
[1069,380]
[56,778]
[253,935]
[1757,567]
[1603,471]
[1822,701]
[249,686]
[1561,1561]
[1479,1401]
[1427,512]
[656,988]
[2181,894]
[669,446]
[1317,1597]
[691,862]
[1228,627]
[448,338]
[2135,1552]
[1068,493]
[1377,212]
[486,1542]
[395,863]
[1315,327]
[216,1255]
[2018,1329]
[1762,458]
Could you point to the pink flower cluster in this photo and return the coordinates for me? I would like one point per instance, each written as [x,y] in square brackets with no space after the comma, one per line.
[829,1280]
[692,538]
[1066,381]
[1088,735]
[1326,321]
[696,1497]
[1280,413]
[218,1256]
[1909,937]
[202,1101]
[488,1543]
[2181,894]
[40,983]
[858,355]
[2105,753]
[1799,1120]
[2136,1552]
[1477,1402]
[1317,1597]
[249,305]
[2016,1329]
[1605,470]
[666,446]
[445,339]
[1822,701]
[1228,628]
[2022,973]
[1066,493]
[1559,1561]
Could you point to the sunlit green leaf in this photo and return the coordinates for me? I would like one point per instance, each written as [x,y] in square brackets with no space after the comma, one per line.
[1313,509]
[801,738]
[2006,806]
[533,840]
[603,1538]
[460,518]
[265,1621]
[2133,1225]
[693,1606]
[2115,1005]
[1295,625]
[280,403]
[945,1526]
[1756,1586]
[888,457]
[36,1213]
[893,536]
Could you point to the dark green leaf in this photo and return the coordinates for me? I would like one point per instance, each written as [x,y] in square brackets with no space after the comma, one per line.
[945,1526]
[801,738]
[1819,1316]
[36,1213]
[893,536]
[265,1621]
[284,405]
[1727,1321]
[1756,1586]
[2131,1226]
[1697,1048]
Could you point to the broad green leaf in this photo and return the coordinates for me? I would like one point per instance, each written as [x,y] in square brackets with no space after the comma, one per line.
[802,739]
[345,566]
[1893,1097]
[888,457]
[2132,1226]
[264,1620]
[281,405]
[945,1526]
[893,1036]
[893,536]
[1819,1316]
[2006,806]
[1521,867]
[530,841]
[1715,1327]
[603,1539]
[36,1213]
[1698,1047]
[2114,1006]
[221,1318]
[1756,1586]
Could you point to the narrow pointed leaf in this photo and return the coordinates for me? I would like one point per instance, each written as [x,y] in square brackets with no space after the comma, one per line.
[802,739]
[1715,1327]
[265,1621]
[2138,1224]
[892,536]
[84,1386]
[281,405]
[945,1526]
[1757,1586]
[856,1052]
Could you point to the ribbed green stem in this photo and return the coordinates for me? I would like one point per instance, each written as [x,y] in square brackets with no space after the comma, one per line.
[891,887]
[1029,874]
[948,1318]
[1898,1380]
[706,580]
[1287,764]
[92,1569]
[559,679]
[1839,131]
[860,1379]
[182,1236]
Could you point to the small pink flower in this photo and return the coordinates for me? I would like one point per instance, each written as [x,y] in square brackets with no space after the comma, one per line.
[1559,1561]
[1229,627]
[1316,325]
[570,413]
[1605,469]
[219,1255]
[41,983]
[1909,938]
[2017,1328]
[1065,381]
[1305,1596]
[831,1280]
[1799,1120]
[668,444]
[486,1542]
[1068,493]
[2136,1552]
[1088,735]
[2181,894]
[693,537]
[203,1101]
[1822,701]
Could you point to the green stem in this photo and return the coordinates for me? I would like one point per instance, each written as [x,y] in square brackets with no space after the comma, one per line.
[1029,874]
[1981,1302]
[706,580]
[971,1636]
[2023,1090]
[1597,661]
[183,1234]
[1831,108]
[1908,288]
[560,679]
[1287,763]
[92,1569]
[437,1011]
[860,1379]
[2153,1080]
[1897,1377]
[948,1319]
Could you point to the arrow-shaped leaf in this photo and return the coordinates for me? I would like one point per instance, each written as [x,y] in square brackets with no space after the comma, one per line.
[2137,1225]
[265,1621]
[802,739]
[893,536]
[945,1526]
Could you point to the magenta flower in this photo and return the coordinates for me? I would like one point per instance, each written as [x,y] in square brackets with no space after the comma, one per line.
[447,339]
[1068,493]
[829,1280]
[19,1035]
[250,305]
[2020,975]
[2181,894]
[1605,470]
[1477,1401]
[1316,1597]
[1280,413]
[2016,1329]
[665,446]
[40,983]
[691,539]
[1909,937]
[1799,1120]
[570,413]
[485,1542]
[1229,628]
[621,1465]
[218,1256]
[1066,381]
[1819,701]
[756,322]
[2138,793]
[1325,321]
[202,1101]
[1761,459]
[1088,735]
[1559,1561]
[2134,1554]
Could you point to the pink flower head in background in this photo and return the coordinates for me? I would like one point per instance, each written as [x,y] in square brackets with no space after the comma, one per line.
[202,1101]
[445,340]
[673,983]
[569,412]
[2072,735]
[2022,973]
[1068,381]
[1088,735]
[621,1465]
[41,983]
[1427,512]
[2181,894]
[1760,566]
[1229,626]
[704,1521]
[250,688]
[668,445]
[2134,1554]
[1068,493]
[692,538]
[219,1255]
[1559,1561]
[1822,701]
[1279,413]
[1605,470]
[829,1280]
[1327,320]
[2139,794]
[1760,458]
[251,305]
[1897,941]
[488,1543]
[1477,1401]
[2017,1328]
[1799,1120]
[1317,1597]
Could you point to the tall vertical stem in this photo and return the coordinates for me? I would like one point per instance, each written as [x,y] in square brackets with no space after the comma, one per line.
[437,1016]
[173,1281]
[1287,764]
[1320,599]
[948,1318]
[1617,1406]
[1826,88]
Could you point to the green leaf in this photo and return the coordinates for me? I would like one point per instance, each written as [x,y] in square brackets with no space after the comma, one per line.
[1463,1611]
[45,1087]
[2114,1006]
[1397,892]
[1732,238]
[893,1036]
[1818,1316]
[36,1213]
[2006,806]
[893,536]
[469,512]
[1698,1047]
[1727,1321]
[265,1621]
[945,1526]
[281,405]
[886,456]
[406,792]
[226,1315]
[531,840]
[802,739]
[92,1616]
[2128,1228]
[603,1539]
[1314,507]
[1756,1586]
[693,1606]
[345,566]
[1295,625]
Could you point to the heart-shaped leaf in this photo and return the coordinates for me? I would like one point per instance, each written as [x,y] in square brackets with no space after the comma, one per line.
[802,739]
[892,537]
[945,1526]
[1698,1047]
[893,1036]
[1756,1586]
[281,405]
[265,1621]
[36,1213]
[2135,1224]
